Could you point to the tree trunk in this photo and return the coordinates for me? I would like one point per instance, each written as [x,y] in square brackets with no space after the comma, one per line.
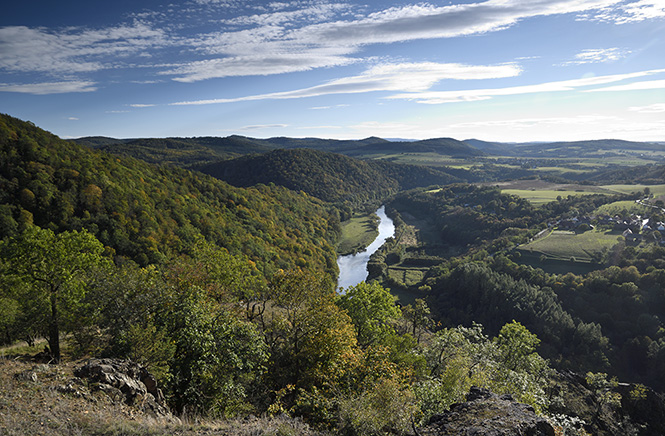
[54,330]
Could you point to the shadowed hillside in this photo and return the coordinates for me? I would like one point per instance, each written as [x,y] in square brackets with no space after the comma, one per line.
[328,176]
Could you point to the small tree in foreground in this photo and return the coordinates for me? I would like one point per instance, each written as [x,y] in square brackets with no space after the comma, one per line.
[52,267]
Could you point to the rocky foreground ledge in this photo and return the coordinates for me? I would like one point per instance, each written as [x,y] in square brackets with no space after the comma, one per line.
[487,414]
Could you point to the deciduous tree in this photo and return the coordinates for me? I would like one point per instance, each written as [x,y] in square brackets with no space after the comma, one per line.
[52,267]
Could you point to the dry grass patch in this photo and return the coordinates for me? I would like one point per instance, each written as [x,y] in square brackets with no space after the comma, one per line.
[34,400]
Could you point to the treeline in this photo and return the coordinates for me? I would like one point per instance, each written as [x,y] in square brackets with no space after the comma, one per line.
[148,213]
[182,152]
[465,214]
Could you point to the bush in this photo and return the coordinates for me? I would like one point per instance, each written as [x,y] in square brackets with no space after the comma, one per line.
[386,408]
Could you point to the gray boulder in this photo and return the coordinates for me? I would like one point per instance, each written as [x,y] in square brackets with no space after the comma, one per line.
[487,414]
[125,381]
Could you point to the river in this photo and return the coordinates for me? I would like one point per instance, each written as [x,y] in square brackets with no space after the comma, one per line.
[353,268]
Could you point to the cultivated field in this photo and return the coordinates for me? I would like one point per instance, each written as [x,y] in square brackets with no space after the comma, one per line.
[564,245]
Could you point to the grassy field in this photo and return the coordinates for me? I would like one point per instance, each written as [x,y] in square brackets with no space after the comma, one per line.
[538,197]
[563,245]
[621,207]
[357,234]
[656,190]
[408,276]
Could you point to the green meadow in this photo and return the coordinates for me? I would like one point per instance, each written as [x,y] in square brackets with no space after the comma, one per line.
[357,234]
[538,197]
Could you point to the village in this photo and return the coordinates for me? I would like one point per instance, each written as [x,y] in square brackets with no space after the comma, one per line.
[633,227]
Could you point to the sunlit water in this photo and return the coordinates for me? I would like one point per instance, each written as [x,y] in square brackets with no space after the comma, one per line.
[353,268]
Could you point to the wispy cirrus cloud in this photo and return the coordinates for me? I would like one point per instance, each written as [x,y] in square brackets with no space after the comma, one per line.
[637,86]
[272,38]
[277,49]
[600,55]
[263,126]
[49,87]
[629,12]
[73,50]
[276,16]
[439,97]
[387,77]
[650,109]
[521,123]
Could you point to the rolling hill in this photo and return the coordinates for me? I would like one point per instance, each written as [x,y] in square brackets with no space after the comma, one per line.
[149,213]
[327,176]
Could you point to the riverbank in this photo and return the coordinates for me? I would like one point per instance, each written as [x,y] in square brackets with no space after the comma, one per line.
[357,234]
[353,267]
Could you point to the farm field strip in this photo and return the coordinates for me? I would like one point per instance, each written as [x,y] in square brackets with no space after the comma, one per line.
[566,245]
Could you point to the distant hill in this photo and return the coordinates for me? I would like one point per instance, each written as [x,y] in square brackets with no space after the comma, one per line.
[328,176]
[443,146]
[98,141]
[595,148]
[495,148]
[645,174]
[569,149]
[178,151]
[188,152]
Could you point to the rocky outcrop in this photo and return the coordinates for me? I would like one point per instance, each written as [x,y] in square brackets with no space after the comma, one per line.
[487,414]
[125,381]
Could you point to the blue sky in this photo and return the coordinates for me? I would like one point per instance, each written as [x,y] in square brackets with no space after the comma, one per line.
[502,70]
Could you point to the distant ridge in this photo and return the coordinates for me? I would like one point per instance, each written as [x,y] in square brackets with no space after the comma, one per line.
[193,151]
[443,146]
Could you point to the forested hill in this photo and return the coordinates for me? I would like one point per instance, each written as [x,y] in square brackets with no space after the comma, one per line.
[178,151]
[147,213]
[646,174]
[327,176]
[187,152]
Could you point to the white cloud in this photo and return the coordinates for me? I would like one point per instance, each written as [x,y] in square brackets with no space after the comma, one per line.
[263,65]
[311,13]
[284,37]
[631,12]
[277,49]
[424,21]
[637,86]
[408,77]
[73,119]
[650,109]
[263,126]
[521,123]
[139,105]
[73,50]
[438,97]
[594,56]
[329,107]
[50,87]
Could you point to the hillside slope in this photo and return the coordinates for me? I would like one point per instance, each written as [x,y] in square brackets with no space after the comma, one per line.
[328,176]
[146,212]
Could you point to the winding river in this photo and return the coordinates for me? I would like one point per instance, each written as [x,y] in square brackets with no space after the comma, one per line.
[353,268]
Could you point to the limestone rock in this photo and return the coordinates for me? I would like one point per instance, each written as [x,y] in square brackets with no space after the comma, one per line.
[487,414]
[126,381]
